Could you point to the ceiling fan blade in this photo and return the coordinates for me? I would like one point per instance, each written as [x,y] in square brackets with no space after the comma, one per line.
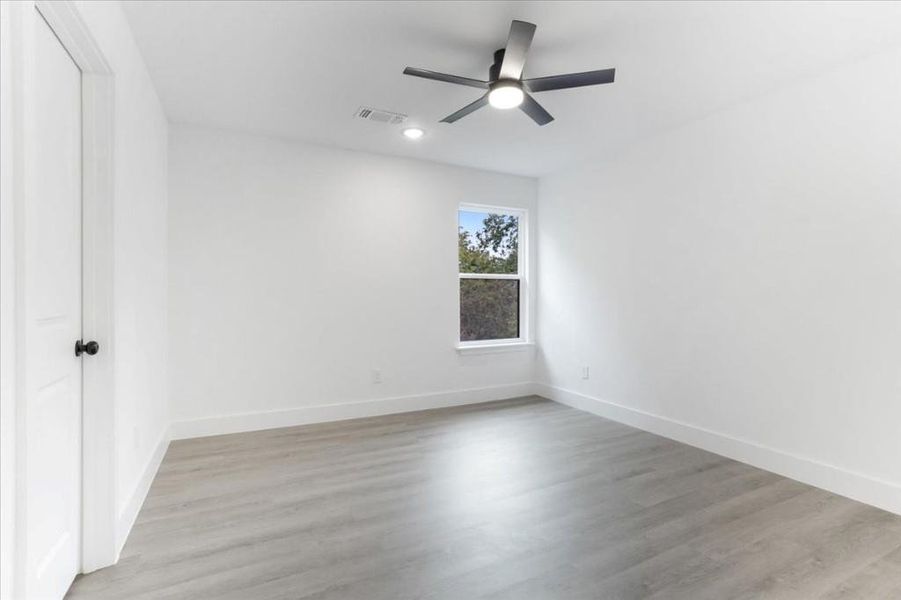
[469,108]
[445,77]
[570,80]
[535,110]
[518,42]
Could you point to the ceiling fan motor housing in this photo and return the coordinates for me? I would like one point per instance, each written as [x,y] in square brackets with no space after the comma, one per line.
[494,73]
[495,70]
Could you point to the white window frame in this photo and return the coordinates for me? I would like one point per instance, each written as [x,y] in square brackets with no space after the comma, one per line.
[522,275]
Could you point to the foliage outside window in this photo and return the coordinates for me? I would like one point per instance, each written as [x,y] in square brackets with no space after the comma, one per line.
[491,275]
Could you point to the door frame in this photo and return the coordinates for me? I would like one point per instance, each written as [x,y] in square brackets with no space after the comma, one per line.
[99,514]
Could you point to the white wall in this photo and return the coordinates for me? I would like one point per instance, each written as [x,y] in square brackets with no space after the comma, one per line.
[740,279]
[140,214]
[7,309]
[295,270]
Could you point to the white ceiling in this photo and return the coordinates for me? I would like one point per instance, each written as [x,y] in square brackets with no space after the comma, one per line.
[300,69]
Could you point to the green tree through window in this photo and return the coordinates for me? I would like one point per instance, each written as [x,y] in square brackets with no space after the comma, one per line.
[488,244]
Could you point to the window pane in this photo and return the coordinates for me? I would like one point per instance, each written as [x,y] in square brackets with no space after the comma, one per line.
[489,309]
[489,243]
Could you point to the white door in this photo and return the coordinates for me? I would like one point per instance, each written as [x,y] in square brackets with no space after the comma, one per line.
[52,305]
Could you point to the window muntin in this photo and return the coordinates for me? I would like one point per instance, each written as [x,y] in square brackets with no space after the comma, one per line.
[491,254]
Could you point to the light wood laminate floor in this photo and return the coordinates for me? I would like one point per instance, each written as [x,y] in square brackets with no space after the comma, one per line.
[523,499]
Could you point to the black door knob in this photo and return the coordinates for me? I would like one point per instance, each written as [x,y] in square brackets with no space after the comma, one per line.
[91,348]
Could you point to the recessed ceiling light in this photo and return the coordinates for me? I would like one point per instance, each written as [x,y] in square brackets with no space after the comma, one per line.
[505,95]
[414,133]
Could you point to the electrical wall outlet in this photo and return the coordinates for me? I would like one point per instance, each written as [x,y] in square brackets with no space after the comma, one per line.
[376,376]
[584,372]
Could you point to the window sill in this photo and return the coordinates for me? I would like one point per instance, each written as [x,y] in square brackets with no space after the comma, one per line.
[496,348]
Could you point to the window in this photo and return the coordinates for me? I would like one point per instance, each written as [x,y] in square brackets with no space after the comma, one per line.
[492,258]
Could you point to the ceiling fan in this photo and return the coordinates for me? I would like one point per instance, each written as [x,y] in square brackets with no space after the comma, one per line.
[505,85]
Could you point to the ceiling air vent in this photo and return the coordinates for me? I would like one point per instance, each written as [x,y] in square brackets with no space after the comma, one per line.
[380,116]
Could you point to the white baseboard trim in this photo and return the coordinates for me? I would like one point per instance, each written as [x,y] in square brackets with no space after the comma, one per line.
[858,486]
[322,413]
[130,510]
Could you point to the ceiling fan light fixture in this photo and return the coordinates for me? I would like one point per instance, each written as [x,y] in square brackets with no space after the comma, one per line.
[505,94]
